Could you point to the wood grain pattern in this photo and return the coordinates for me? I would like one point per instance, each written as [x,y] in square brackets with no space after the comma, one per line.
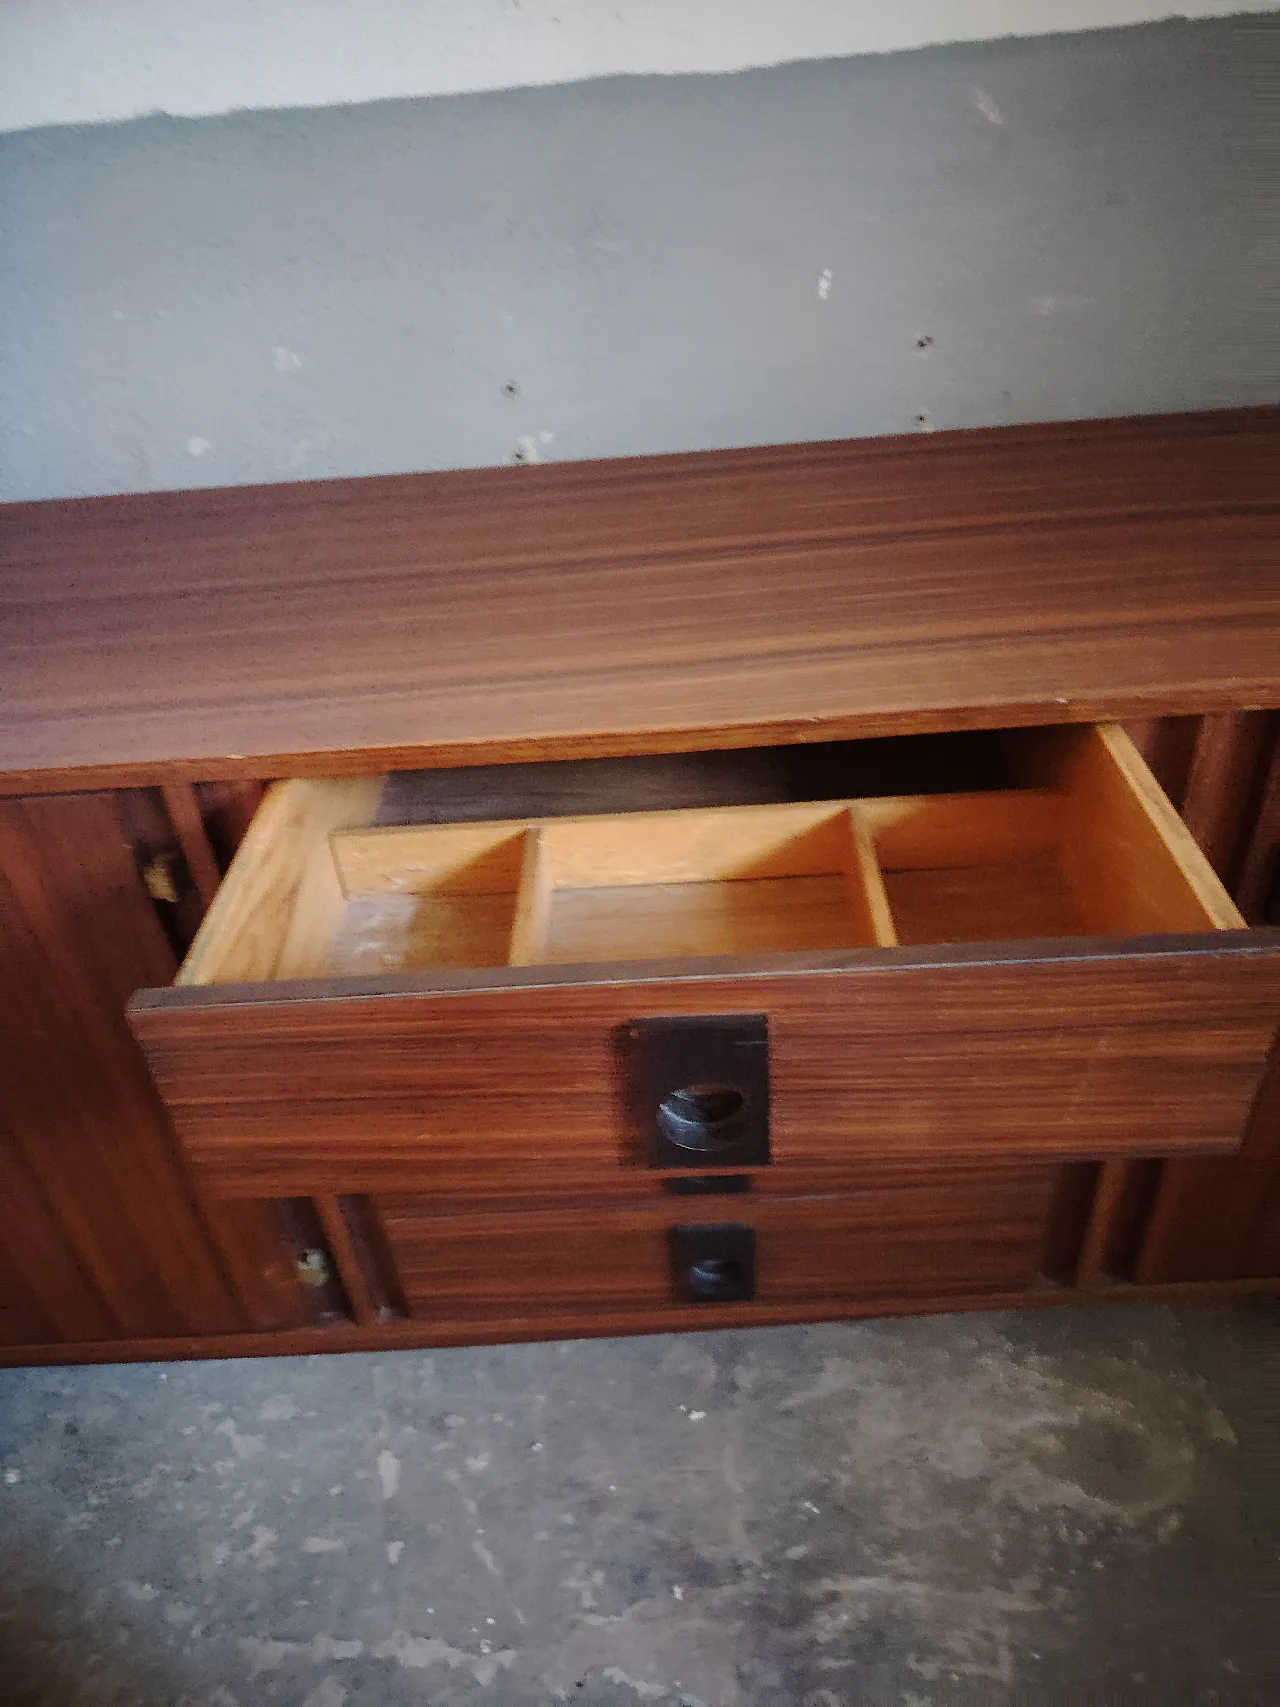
[307,909]
[609,850]
[45,1293]
[924,832]
[1132,862]
[1073,1049]
[984,903]
[724,844]
[303,901]
[447,859]
[973,1232]
[768,915]
[252,1237]
[969,580]
[1218,1221]
[665,1319]
[955,580]
[404,933]
[81,1120]
[287,873]
[1100,851]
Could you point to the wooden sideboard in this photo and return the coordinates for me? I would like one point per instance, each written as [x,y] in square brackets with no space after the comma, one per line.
[861,665]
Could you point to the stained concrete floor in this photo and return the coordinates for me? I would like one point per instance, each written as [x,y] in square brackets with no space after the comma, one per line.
[974,1508]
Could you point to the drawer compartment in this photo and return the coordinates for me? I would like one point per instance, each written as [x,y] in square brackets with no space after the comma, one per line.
[639,886]
[899,1236]
[1049,969]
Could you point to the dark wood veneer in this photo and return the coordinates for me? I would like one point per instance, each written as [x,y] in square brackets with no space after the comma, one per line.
[965,1128]
[1069,1050]
[112,1241]
[996,577]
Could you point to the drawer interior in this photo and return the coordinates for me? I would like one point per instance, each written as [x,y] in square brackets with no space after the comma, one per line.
[1060,833]
[723,880]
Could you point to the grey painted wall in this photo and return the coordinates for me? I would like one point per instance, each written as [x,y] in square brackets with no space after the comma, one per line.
[1071,225]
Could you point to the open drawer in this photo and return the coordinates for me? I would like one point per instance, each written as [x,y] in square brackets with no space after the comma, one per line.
[1045,969]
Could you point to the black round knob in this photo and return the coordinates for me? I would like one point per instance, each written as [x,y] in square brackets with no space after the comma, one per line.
[704,1117]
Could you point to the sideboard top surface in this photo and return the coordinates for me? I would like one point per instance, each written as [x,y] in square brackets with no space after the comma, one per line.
[970,579]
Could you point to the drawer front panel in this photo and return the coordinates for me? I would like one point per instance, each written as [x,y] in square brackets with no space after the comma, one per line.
[980,1232]
[543,1263]
[1098,1050]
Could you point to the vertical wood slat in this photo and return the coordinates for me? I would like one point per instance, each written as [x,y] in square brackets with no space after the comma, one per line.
[374,1254]
[226,811]
[1222,788]
[1067,1224]
[1261,858]
[77,937]
[364,1306]
[1093,1268]
[184,814]
[1168,745]
[1122,1205]
[1219,1219]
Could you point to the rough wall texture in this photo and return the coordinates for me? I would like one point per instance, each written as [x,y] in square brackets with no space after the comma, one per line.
[95,61]
[1006,231]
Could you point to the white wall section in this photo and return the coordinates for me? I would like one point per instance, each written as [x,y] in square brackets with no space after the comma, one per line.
[90,61]
[986,232]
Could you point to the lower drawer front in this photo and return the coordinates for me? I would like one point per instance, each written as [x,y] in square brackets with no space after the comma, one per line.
[914,1239]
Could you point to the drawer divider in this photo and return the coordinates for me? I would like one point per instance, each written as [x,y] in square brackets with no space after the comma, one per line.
[533,902]
[866,884]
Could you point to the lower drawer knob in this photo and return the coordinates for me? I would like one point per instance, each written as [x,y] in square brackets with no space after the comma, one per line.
[716,1278]
[713,1264]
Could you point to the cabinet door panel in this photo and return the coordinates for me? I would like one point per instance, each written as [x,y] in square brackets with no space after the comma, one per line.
[45,1296]
[81,1121]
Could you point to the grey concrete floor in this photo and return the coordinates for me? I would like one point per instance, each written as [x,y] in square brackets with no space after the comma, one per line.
[970,1508]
